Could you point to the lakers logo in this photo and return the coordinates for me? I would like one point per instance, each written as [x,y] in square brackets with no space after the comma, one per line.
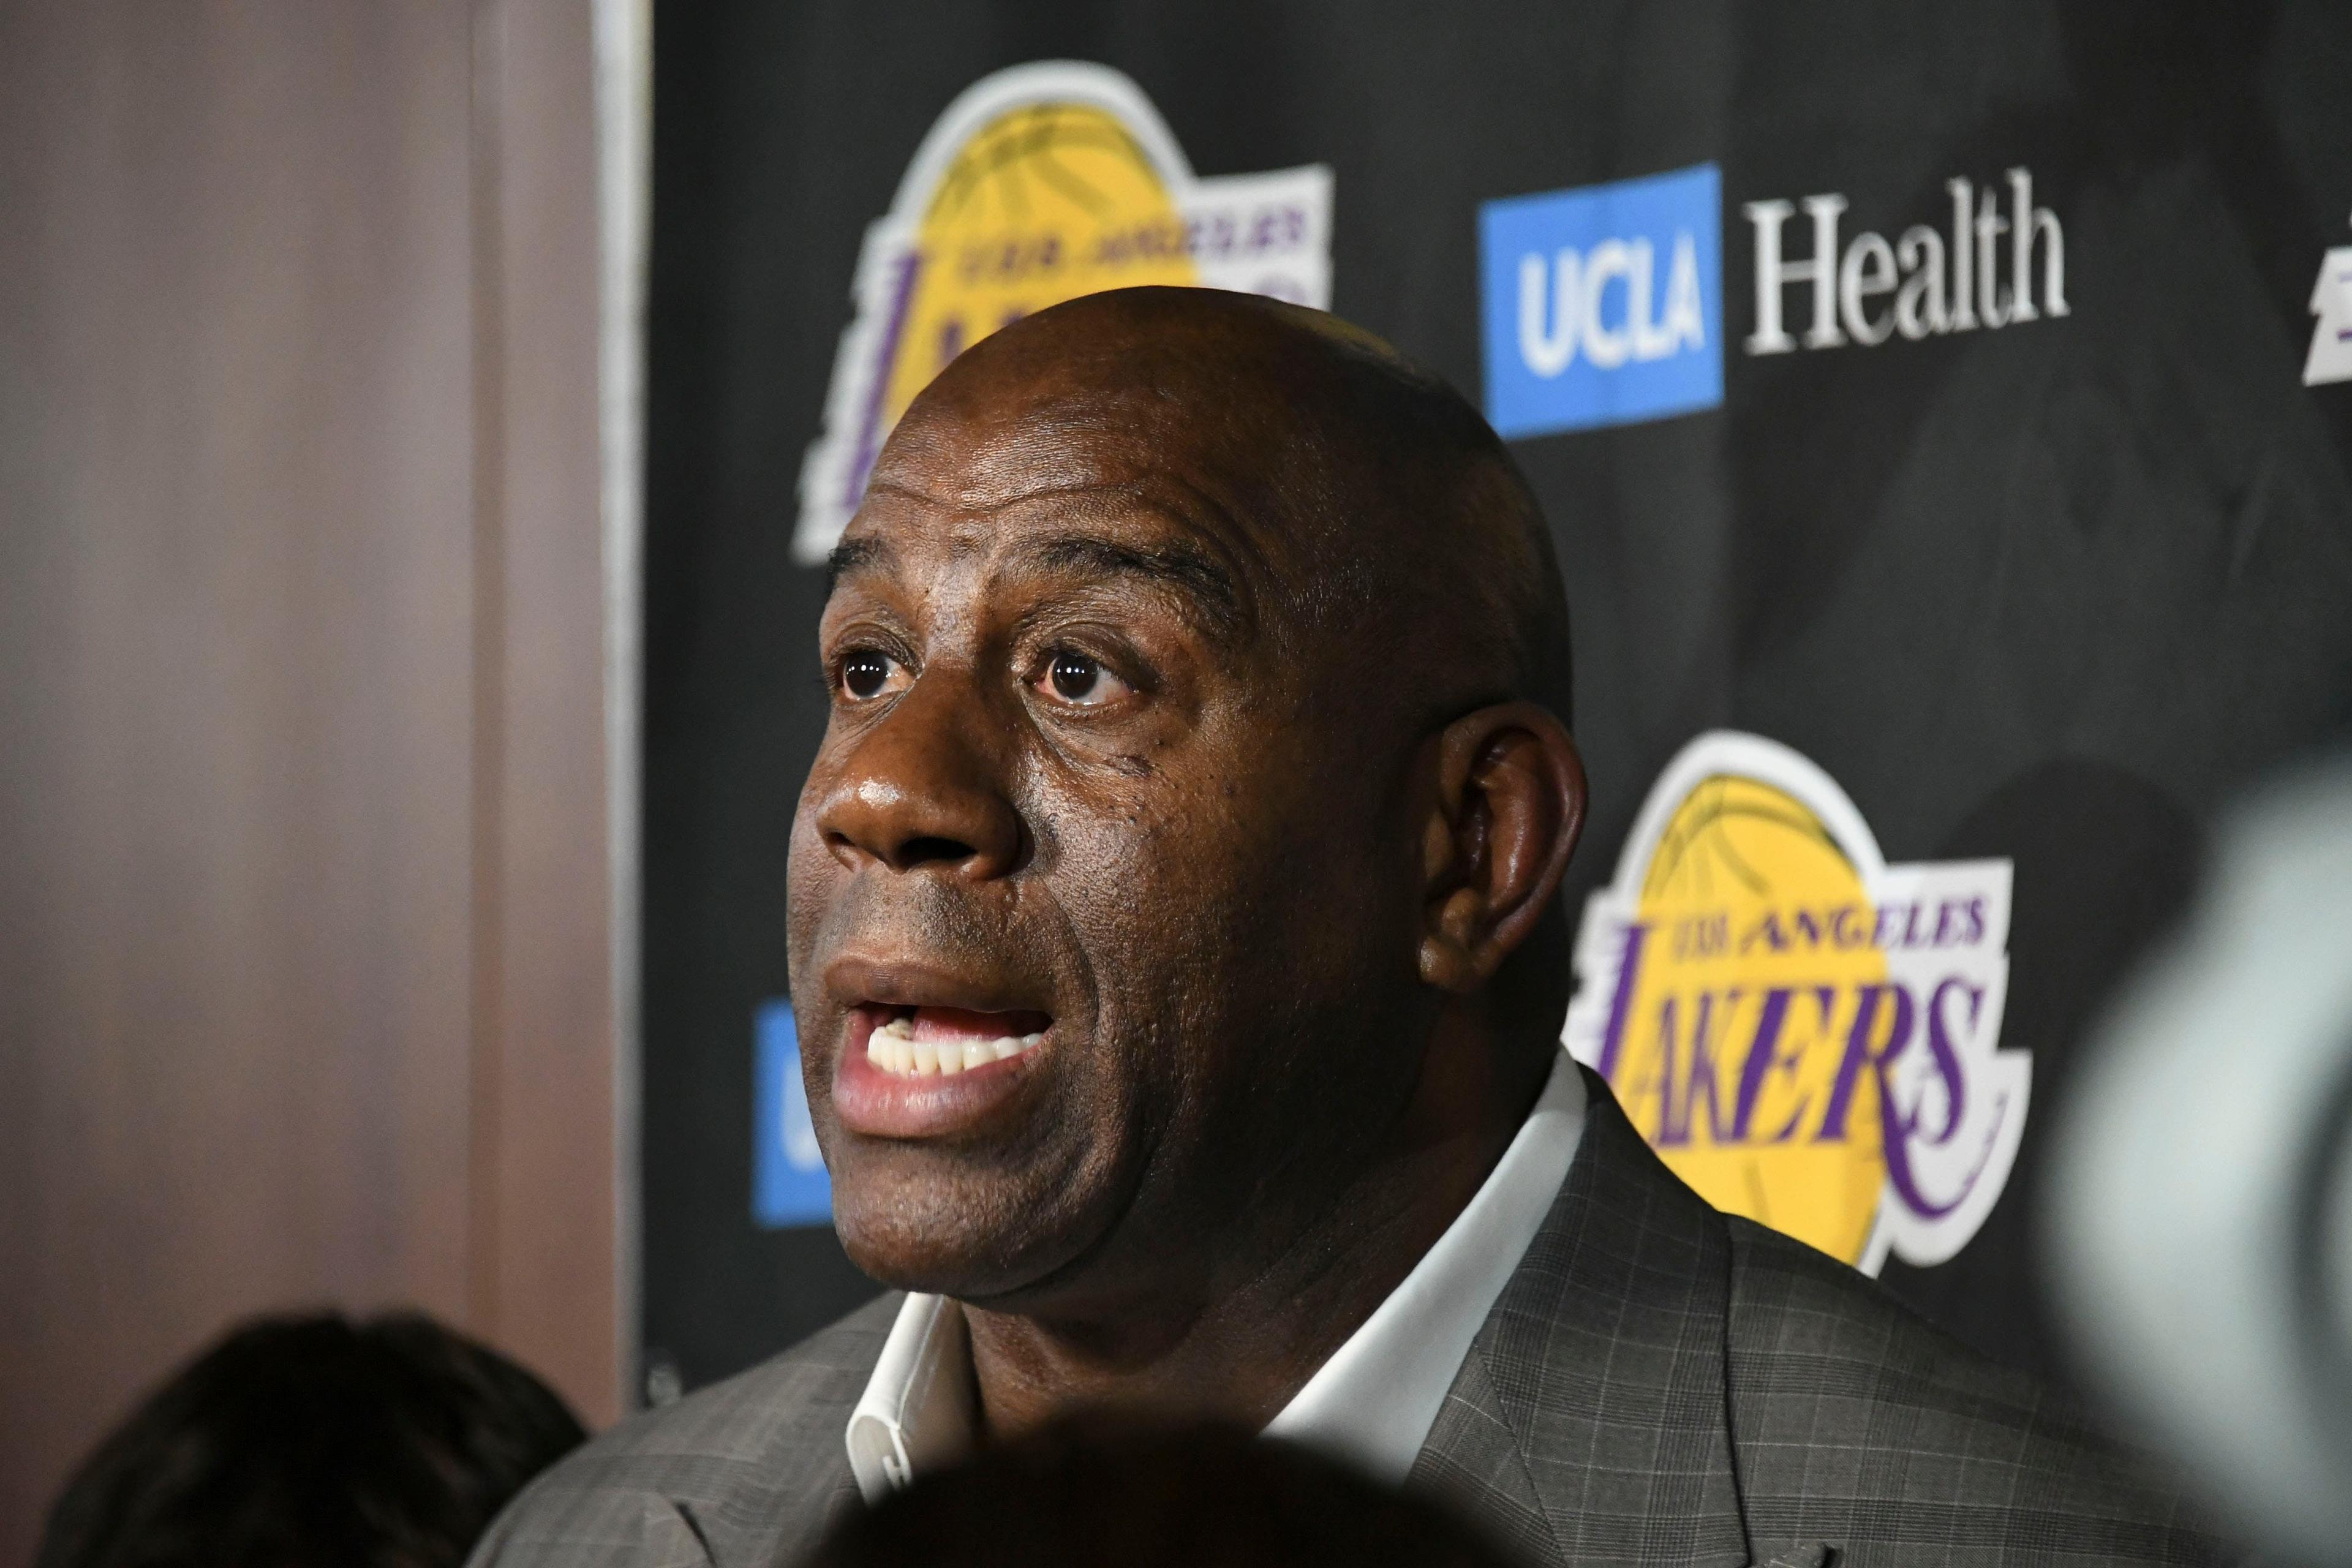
[1038,185]
[1806,1035]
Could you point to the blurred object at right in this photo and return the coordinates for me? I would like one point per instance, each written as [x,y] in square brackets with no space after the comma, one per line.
[2201,1212]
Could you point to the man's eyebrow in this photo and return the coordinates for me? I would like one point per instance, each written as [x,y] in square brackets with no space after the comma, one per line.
[1192,572]
[855,555]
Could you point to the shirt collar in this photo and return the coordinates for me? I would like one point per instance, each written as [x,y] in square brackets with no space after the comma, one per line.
[917,1412]
[1372,1403]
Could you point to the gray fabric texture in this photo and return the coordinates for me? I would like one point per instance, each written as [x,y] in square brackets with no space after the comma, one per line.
[1659,1383]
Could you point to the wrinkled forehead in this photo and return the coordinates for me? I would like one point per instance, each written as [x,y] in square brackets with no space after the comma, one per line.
[1230,480]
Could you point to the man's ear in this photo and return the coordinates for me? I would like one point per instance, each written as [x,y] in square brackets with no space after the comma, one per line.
[1509,803]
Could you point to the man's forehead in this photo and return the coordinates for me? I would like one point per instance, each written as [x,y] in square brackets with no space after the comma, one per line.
[1262,434]
[1017,446]
[964,480]
[1094,533]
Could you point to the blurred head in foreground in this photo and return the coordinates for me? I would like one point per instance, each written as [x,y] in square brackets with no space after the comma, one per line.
[303,1442]
[1086,1493]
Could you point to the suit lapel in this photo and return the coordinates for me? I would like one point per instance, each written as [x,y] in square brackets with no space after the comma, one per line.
[1472,1459]
[1590,1424]
[800,1483]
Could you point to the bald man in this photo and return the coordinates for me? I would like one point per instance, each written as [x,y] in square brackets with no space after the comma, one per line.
[1180,962]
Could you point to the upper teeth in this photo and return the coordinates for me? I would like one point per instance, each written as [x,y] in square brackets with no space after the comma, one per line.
[894,1048]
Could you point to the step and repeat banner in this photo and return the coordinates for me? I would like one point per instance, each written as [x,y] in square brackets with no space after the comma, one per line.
[1945,417]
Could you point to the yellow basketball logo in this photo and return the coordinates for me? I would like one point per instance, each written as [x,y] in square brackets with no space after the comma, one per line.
[1045,203]
[1805,1035]
[1038,185]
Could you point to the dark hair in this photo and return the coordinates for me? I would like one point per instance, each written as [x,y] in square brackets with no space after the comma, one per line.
[1091,1493]
[298,1442]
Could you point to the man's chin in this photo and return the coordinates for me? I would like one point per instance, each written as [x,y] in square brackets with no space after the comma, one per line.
[944,1244]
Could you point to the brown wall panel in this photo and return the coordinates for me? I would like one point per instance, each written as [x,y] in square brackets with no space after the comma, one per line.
[546,1281]
[303,941]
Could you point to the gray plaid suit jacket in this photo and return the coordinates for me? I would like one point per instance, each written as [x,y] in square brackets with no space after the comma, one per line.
[1659,1383]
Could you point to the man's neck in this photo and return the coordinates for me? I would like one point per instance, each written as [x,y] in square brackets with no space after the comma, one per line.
[1271,1313]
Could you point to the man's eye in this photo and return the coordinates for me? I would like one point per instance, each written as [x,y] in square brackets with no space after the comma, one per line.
[1077,678]
[865,673]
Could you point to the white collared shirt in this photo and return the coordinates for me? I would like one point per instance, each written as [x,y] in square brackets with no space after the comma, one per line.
[1372,1403]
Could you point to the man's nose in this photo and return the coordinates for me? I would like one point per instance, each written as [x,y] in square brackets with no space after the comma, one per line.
[916,793]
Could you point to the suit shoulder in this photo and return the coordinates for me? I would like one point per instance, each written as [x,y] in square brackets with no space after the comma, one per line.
[741,1417]
[1795,1306]
[1848,1407]
[762,1449]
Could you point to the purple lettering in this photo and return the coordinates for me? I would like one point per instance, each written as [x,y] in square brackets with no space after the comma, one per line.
[1860,1052]
[1620,1002]
[1677,1117]
[1713,1022]
[1946,1059]
[1768,932]
[869,427]
[1901,1128]
[1672,1129]
[1764,1059]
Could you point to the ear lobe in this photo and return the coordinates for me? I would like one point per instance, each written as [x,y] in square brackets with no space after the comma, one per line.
[1509,805]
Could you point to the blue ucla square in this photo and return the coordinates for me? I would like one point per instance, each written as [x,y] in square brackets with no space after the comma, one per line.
[1602,305]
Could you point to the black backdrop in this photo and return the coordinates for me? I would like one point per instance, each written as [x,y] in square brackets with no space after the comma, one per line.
[2049,594]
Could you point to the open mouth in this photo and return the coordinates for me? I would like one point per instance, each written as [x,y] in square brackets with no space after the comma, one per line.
[921,1042]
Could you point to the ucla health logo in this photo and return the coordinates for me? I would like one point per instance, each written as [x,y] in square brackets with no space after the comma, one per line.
[1808,1035]
[1600,304]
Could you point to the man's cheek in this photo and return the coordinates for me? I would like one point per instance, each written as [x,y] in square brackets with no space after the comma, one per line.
[811,877]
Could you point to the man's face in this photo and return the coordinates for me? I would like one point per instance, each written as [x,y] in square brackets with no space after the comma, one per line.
[1104,906]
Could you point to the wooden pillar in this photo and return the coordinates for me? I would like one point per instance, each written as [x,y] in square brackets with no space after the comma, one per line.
[307,870]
